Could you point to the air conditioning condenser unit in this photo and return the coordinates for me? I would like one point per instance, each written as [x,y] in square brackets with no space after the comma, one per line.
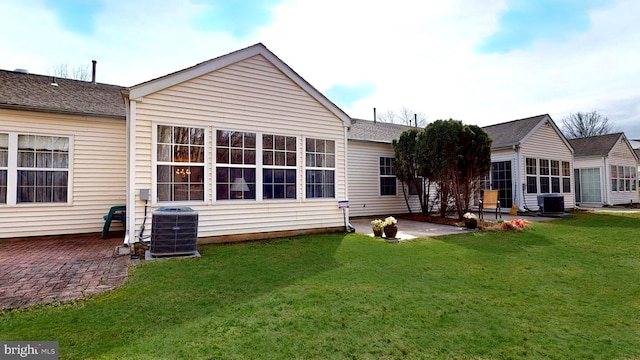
[174,231]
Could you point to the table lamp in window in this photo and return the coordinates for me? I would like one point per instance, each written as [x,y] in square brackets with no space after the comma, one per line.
[238,187]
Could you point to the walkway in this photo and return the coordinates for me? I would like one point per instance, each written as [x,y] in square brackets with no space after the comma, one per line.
[40,271]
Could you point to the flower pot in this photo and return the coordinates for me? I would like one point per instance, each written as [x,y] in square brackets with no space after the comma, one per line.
[390,231]
[377,231]
[471,223]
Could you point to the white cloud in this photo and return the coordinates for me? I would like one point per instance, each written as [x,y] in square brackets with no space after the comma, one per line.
[419,55]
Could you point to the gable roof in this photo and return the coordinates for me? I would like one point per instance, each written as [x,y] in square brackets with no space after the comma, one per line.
[152,86]
[34,92]
[600,145]
[367,130]
[637,151]
[514,132]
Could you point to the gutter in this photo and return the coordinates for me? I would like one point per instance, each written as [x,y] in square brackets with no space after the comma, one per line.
[59,111]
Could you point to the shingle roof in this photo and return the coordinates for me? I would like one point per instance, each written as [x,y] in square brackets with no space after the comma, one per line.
[637,152]
[367,130]
[35,92]
[512,132]
[595,145]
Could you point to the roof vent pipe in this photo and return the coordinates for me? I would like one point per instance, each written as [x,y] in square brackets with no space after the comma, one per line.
[93,72]
[415,119]
[374,115]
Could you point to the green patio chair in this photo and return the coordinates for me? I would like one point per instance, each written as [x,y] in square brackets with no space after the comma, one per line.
[116,213]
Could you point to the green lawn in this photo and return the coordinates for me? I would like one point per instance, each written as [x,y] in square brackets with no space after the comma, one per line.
[569,289]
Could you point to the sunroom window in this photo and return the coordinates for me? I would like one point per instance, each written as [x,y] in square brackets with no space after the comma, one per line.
[279,167]
[320,168]
[235,165]
[180,163]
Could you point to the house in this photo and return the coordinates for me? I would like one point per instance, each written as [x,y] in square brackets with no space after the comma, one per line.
[606,170]
[373,186]
[243,140]
[62,154]
[530,157]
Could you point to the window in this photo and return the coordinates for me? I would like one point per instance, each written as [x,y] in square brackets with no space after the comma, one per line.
[532,179]
[42,169]
[279,167]
[387,177]
[180,163]
[566,177]
[235,165]
[554,176]
[544,167]
[4,166]
[623,178]
[413,188]
[320,168]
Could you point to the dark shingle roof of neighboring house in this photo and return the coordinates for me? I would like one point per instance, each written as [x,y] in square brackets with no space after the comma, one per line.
[595,145]
[637,152]
[367,130]
[512,133]
[34,92]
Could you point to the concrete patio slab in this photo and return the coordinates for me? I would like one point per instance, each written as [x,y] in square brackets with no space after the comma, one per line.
[411,229]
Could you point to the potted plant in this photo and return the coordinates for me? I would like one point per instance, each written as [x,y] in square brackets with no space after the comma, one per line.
[470,220]
[390,228]
[378,226]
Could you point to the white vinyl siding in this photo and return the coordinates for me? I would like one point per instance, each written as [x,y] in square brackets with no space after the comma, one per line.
[364,186]
[97,174]
[620,156]
[545,143]
[251,95]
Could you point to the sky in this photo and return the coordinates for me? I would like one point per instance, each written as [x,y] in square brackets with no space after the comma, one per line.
[482,62]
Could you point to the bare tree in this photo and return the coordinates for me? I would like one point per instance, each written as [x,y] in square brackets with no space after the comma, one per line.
[78,73]
[388,116]
[583,124]
[404,116]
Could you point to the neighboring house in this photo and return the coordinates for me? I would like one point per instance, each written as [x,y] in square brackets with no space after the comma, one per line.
[62,154]
[243,140]
[606,168]
[373,187]
[530,157]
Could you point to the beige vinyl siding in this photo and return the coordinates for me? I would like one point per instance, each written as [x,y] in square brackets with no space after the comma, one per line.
[364,182]
[97,174]
[545,143]
[251,96]
[620,155]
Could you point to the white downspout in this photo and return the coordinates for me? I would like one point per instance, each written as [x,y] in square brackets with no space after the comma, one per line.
[131,176]
[345,169]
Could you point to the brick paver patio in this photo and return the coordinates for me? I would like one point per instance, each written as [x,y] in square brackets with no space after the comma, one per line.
[40,271]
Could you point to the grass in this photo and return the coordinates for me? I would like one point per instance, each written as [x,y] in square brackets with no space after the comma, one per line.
[565,289]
